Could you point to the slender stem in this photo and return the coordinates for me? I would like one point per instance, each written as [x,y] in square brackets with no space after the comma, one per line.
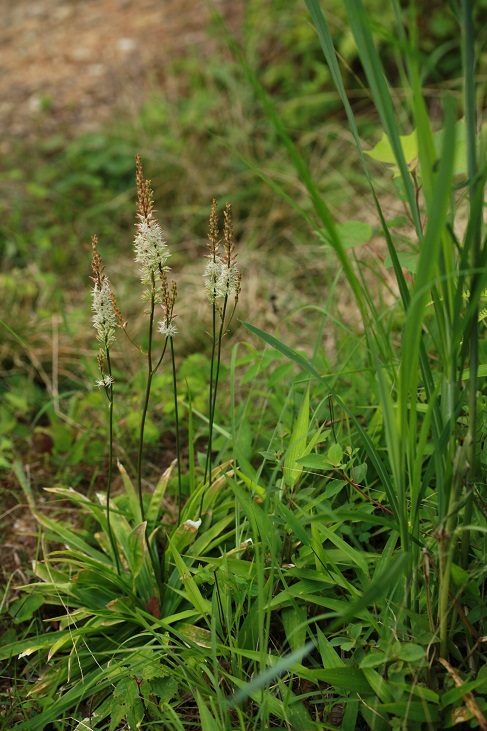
[210,399]
[176,417]
[145,404]
[109,391]
[156,564]
[215,368]
[218,358]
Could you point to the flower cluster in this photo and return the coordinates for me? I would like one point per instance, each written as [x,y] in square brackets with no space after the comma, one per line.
[105,313]
[151,251]
[168,299]
[104,382]
[221,273]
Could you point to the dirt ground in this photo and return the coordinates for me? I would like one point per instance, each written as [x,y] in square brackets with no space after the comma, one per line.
[69,65]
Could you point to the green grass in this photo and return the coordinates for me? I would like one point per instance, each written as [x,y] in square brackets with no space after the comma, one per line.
[334,452]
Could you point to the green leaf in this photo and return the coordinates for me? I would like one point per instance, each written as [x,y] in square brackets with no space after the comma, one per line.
[131,494]
[191,589]
[335,455]
[297,444]
[455,694]
[352,233]
[23,609]
[126,704]
[136,549]
[315,462]
[410,711]
[382,151]
[407,260]
[283,665]
[373,660]
[208,723]
[155,504]
[346,678]
[409,652]
[294,620]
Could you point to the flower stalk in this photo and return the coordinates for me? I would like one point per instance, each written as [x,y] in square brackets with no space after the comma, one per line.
[105,318]
[222,282]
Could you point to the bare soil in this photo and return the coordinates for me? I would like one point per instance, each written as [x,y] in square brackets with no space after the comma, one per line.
[70,65]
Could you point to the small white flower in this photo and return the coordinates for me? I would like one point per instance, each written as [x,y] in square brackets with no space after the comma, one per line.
[221,280]
[192,525]
[105,382]
[227,281]
[151,249]
[167,329]
[104,317]
[212,274]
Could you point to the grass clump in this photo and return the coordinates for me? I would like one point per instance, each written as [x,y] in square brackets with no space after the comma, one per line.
[319,561]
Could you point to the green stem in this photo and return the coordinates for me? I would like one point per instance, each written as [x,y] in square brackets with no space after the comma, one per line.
[215,369]
[210,401]
[157,567]
[110,461]
[176,416]
[145,405]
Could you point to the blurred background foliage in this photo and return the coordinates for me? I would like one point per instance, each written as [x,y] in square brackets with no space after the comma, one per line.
[201,133]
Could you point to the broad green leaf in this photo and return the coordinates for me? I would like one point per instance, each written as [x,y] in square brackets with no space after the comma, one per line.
[297,444]
[455,694]
[208,723]
[373,660]
[329,656]
[419,690]
[154,508]
[24,608]
[382,151]
[410,711]
[335,455]
[407,260]
[294,620]
[69,537]
[356,557]
[136,549]
[346,678]
[379,684]
[352,233]
[409,652]
[126,704]
[24,648]
[131,494]
[191,589]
